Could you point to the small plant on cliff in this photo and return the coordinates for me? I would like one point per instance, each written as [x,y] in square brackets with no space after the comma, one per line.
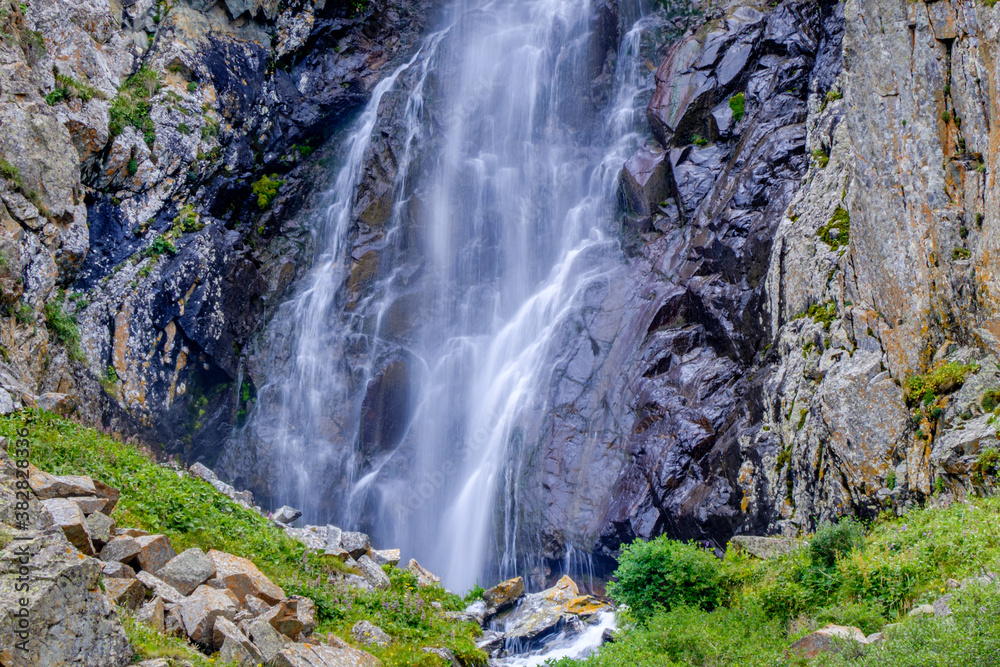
[738,104]
[699,140]
[822,157]
[266,188]
[837,231]
[188,220]
[960,254]
[10,172]
[991,399]
[162,245]
[62,324]
[944,379]
[662,574]
[987,465]
[822,313]
[132,105]
[68,88]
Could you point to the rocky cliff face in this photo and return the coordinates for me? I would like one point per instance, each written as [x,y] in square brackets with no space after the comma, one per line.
[155,158]
[823,271]
[804,323]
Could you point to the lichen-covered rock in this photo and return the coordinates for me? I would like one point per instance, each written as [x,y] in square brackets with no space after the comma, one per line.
[200,610]
[187,570]
[67,515]
[370,634]
[243,578]
[69,620]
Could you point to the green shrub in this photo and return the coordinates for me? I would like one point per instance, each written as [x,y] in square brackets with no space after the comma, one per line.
[832,541]
[266,188]
[664,573]
[944,379]
[738,104]
[68,88]
[960,253]
[133,166]
[63,325]
[821,313]
[132,105]
[991,399]
[699,140]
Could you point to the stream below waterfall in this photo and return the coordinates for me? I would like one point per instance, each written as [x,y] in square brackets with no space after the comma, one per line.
[472,216]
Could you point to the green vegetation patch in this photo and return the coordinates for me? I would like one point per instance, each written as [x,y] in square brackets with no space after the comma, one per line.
[845,574]
[64,326]
[132,105]
[193,514]
[837,231]
[822,313]
[738,104]
[266,188]
[662,574]
[67,88]
[944,379]
[188,220]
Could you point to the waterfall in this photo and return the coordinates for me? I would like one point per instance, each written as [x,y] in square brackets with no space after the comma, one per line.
[508,132]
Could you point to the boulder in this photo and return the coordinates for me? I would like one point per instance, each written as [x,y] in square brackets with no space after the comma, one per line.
[504,594]
[108,493]
[123,549]
[286,515]
[424,577]
[306,612]
[356,544]
[89,504]
[541,614]
[152,614]
[320,538]
[68,516]
[340,655]
[830,639]
[284,618]
[243,578]
[384,556]
[268,640]
[764,547]
[587,605]
[127,593]
[370,634]
[173,624]
[154,552]
[372,573]
[101,529]
[160,587]
[199,611]
[188,570]
[255,605]
[48,486]
[115,570]
[70,621]
[233,645]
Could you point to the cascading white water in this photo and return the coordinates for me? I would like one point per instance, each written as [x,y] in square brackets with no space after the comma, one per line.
[516,175]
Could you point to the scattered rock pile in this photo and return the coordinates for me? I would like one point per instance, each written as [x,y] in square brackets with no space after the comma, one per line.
[221,602]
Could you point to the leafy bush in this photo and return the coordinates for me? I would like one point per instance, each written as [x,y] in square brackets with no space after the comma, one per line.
[664,573]
[63,325]
[266,188]
[832,541]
